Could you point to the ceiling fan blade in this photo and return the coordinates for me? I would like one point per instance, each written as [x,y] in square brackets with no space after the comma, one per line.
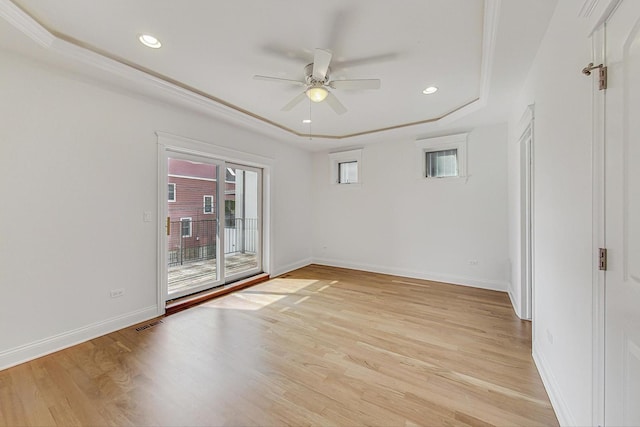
[295,101]
[279,80]
[335,104]
[286,52]
[321,61]
[365,60]
[355,84]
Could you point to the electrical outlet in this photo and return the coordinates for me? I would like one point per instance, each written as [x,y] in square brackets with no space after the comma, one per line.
[549,337]
[146,216]
[117,293]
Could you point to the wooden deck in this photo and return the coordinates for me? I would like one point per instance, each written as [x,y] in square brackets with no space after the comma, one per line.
[191,274]
[319,346]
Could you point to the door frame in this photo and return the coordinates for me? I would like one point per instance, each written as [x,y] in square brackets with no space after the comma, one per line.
[167,142]
[525,142]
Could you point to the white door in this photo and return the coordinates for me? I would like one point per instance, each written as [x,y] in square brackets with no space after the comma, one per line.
[622,212]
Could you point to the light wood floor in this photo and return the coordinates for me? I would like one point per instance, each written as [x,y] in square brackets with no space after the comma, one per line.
[319,346]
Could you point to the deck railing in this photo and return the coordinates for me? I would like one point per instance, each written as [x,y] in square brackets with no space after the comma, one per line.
[195,240]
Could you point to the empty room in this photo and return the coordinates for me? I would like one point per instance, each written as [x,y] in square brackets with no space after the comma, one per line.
[270,213]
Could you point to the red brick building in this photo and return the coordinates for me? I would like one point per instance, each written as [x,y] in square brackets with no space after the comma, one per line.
[192,209]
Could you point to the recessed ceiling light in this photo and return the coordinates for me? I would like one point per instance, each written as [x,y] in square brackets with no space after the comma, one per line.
[430,90]
[306,121]
[149,41]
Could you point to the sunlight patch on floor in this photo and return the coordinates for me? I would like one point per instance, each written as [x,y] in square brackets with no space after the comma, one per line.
[285,286]
[264,294]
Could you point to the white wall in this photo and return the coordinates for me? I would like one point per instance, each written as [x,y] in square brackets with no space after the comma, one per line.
[399,223]
[78,166]
[563,211]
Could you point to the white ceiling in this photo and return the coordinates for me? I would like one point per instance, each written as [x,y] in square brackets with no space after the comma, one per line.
[476,52]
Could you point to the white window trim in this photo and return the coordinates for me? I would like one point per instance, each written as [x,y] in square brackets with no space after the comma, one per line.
[450,142]
[190,226]
[174,193]
[204,204]
[198,178]
[343,157]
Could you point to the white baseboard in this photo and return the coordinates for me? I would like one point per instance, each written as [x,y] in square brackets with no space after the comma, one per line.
[565,418]
[436,277]
[277,271]
[24,353]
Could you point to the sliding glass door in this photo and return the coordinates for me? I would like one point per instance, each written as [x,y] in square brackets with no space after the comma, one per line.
[192,223]
[213,229]
[242,221]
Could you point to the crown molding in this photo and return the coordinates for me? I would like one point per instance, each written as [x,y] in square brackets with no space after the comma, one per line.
[183,94]
[587,8]
[74,50]
[489,40]
[25,23]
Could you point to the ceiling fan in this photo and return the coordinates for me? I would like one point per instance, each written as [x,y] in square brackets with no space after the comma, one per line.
[317,81]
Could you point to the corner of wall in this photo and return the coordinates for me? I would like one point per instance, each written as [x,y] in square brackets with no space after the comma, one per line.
[513,299]
[279,270]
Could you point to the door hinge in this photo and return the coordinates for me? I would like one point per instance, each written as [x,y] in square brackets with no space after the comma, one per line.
[168,226]
[602,74]
[602,78]
[602,259]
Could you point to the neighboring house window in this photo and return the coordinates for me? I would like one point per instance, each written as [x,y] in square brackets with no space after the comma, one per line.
[208,204]
[443,157]
[185,226]
[172,193]
[345,168]
[230,213]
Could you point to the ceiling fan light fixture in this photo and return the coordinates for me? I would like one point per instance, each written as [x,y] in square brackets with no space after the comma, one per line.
[150,41]
[317,93]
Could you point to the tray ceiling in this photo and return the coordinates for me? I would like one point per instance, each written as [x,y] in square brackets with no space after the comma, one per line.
[214,49]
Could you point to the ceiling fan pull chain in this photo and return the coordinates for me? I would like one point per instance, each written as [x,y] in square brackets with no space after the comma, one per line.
[310,121]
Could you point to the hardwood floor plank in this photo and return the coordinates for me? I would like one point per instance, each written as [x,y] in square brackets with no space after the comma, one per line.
[318,346]
[12,410]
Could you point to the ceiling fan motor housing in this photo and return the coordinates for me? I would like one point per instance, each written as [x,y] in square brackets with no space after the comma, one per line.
[308,73]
